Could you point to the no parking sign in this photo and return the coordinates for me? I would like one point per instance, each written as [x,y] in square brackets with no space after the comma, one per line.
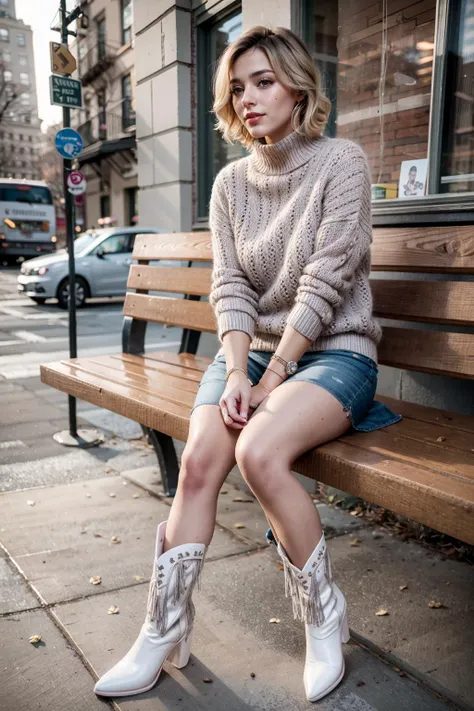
[76,182]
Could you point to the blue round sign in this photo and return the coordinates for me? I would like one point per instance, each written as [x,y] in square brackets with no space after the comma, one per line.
[68,143]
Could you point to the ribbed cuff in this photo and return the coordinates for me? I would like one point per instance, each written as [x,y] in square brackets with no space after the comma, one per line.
[305,320]
[235,321]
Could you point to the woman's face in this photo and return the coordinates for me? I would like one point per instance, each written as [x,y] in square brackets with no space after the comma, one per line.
[256,90]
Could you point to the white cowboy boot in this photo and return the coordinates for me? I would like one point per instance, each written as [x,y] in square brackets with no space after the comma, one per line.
[320,604]
[167,630]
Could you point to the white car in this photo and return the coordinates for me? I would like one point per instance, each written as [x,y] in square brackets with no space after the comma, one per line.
[103,258]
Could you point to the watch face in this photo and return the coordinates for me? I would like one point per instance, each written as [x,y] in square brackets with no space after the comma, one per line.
[292,367]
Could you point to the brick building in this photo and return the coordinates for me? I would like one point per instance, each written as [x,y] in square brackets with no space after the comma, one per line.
[399,76]
[19,123]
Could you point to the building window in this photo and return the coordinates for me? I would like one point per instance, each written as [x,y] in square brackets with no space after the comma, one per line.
[22,60]
[4,3]
[21,39]
[105,206]
[4,34]
[127,20]
[6,56]
[24,78]
[413,115]
[101,37]
[7,75]
[102,114]
[213,152]
[131,205]
[128,113]
[25,99]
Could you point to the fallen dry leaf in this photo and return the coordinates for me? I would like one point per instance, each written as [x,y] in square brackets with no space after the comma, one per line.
[112,495]
[113,610]
[441,439]
[274,619]
[30,502]
[136,496]
[355,542]
[331,498]
[242,501]
[35,638]
[224,492]
[381,612]
[432,603]
[279,565]
[139,578]
[238,525]
[84,530]
[95,580]
[98,535]
[116,539]
[108,469]
[403,587]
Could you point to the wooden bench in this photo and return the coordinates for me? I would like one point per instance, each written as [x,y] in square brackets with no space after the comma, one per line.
[421,467]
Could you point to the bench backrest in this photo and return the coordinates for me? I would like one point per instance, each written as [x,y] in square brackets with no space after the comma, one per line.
[423,301]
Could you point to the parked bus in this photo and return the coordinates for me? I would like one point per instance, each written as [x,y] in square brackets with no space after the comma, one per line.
[27,219]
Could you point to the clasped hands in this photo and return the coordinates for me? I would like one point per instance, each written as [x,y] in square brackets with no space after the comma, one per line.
[240,399]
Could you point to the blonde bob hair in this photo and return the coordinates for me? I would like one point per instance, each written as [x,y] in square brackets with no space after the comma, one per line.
[294,67]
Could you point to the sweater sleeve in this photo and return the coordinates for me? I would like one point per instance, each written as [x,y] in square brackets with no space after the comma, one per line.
[343,238]
[232,296]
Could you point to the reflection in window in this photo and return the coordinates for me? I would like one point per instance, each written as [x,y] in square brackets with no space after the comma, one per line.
[213,151]
[457,157]
[377,71]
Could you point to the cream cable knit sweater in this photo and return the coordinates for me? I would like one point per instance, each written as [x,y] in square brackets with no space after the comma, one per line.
[291,234]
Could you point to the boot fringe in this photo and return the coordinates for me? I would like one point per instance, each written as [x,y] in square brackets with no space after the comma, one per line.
[157,608]
[306,604]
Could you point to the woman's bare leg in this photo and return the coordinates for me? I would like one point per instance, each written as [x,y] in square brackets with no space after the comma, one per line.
[207,459]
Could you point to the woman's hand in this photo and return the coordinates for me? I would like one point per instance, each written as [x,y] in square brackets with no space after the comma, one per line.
[234,403]
[257,396]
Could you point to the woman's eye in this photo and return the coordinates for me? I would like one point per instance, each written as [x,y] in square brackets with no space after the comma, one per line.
[265,82]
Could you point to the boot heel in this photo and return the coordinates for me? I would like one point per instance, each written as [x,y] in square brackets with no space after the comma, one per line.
[345,635]
[180,654]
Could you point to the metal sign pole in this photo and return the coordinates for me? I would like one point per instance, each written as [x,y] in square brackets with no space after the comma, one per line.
[69,207]
[68,144]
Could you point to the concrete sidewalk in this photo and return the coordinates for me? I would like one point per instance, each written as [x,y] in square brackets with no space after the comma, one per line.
[417,657]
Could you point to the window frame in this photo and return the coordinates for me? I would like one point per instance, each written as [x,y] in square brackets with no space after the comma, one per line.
[6,37]
[205,22]
[22,36]
[126,31]
[435,207]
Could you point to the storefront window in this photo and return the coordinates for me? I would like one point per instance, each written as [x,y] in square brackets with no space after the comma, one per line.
[213,151]
[377,70]
[457,153]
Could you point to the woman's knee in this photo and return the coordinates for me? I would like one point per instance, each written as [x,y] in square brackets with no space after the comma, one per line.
[256,462]
[202,468]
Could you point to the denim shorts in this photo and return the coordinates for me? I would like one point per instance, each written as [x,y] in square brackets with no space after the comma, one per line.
[350,377]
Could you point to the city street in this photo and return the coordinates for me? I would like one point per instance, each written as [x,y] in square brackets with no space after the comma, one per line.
[32,412]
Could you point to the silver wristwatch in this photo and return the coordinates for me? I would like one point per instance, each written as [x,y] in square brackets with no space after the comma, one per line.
[291,366]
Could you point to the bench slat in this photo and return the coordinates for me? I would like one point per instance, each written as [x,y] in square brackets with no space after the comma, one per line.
[138,405]
[160,367]
[139,376]
[436,302]
[412,410]
[437,500]
[132,381]
[187,360]
[195,246]
[455,463]
[424,249]
[177,312]
[178,280]
[435,352]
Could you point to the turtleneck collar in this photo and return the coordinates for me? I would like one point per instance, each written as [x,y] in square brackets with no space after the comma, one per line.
[287,154]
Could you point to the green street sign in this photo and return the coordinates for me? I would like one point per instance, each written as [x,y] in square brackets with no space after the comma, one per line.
[65,91]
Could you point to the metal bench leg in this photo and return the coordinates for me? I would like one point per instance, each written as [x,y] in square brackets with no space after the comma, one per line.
[167,459]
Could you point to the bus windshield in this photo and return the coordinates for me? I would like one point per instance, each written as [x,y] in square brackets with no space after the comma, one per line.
[31,194]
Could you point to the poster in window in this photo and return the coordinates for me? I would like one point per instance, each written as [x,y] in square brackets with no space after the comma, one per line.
[412,181]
